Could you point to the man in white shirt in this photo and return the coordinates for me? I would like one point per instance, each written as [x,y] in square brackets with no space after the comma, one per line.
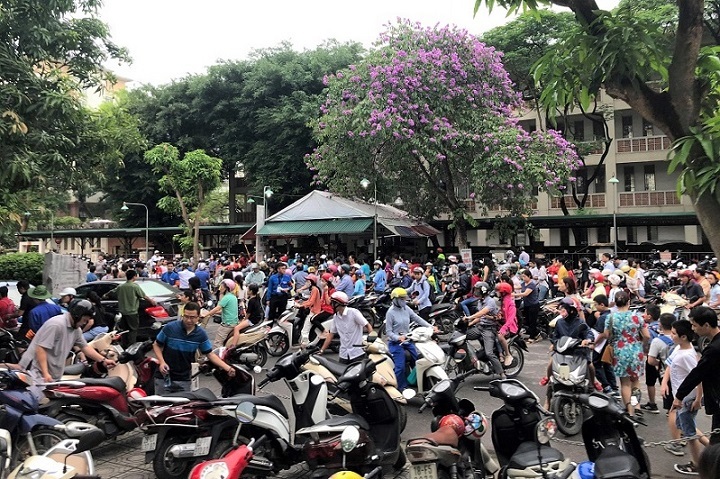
[185,274]
[349,323]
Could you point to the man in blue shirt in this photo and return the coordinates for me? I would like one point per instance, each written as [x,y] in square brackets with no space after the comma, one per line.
[420,292]
[177,344]
[379,278]
[346,283]
[204,278]
[171,276]
[91,276]
[42,311]
[300,275]
[278,291]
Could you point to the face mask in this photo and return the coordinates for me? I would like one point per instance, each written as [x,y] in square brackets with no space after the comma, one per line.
[335,305]
[399,303]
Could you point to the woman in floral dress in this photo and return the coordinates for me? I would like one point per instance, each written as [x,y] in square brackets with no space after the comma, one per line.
[627,336]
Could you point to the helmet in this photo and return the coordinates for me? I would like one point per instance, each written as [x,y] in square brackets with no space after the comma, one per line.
[377,261]
[345,268]
[614,279]
[475,425]
[569,305]
[229,284]
[340,297]
[452,258]
[403,267]
[599,277]
[462,267]
[398,293]
[312,277]
[483,287]
[503,288]
[346,475]
[327,277]
[81,307]
[417,269]
[455,422]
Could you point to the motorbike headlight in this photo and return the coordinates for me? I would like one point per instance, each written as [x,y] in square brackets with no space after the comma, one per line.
[545,430]
[215,470]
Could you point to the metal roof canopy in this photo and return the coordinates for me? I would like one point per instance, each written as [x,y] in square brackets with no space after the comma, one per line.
[124,232]
[315,227]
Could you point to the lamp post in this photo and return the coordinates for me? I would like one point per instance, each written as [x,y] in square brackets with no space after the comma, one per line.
[614,181]
[399,202]
[147,225]
[267,193]
[365,183]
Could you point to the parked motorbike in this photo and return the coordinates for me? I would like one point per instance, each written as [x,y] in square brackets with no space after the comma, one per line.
[569,374]
[66,459]
[610,439]
[520,434]
[287,330]
[349,440]
[10,348]
[251,348]
[462,355]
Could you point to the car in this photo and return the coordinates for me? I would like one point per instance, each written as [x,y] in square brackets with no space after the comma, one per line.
[163,294]
[12,290]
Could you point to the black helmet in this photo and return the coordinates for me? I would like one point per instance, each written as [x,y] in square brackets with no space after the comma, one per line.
[346,268]
[81,307]
[462,267]
[569,305]
[482,287]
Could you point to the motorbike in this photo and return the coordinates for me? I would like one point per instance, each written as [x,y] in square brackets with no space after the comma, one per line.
[428,368]
[446,452]
[462,355]
[569,374]
[349,440]
[10,348]
[251,348]
[66,459]
[287,330]
[520,434]
[612,445]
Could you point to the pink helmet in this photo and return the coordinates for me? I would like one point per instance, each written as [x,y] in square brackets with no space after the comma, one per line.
[313,278]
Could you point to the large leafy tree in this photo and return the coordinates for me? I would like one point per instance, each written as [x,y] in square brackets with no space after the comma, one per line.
[429,113]
[676,89]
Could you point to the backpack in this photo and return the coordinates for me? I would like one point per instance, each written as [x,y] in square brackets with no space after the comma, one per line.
[433,294]
[654,329]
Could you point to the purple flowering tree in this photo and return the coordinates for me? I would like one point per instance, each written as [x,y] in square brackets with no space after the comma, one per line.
[428,116]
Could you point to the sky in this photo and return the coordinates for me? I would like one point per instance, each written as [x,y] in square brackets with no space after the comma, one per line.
[169,39]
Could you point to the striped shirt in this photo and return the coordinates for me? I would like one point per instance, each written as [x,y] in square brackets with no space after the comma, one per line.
[179,348]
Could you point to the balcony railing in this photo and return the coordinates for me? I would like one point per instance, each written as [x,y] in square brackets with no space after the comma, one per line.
[643,143]
[649,198]
[595,200]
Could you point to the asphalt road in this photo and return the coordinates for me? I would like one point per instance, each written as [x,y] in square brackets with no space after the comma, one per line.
[122,459]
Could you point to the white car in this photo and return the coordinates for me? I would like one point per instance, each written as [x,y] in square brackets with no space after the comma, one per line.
[12,290]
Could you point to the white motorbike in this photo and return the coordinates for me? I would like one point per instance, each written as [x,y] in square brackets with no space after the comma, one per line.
[429,367]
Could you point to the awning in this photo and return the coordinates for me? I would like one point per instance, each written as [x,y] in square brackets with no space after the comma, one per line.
[314,227]
[415,231]
[249,235]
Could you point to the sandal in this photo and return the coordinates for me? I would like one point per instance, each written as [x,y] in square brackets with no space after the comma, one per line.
[508,360]
[544,381]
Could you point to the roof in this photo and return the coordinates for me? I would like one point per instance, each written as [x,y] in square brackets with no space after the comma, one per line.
[133,232]
[323,212]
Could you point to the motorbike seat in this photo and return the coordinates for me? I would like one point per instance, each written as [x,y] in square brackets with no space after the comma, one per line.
[614,463]
[74,369]
[438,306]
[445,436]
[270,401]
[337,369]
[202,394]
[114,382]
[346,420]
[527,454]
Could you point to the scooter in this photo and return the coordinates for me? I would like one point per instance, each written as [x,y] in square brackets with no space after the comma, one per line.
[250,348]
[569,374]
[463,355]
[612,445]
[520,435]
[349,440]
[428,367]
[66,459]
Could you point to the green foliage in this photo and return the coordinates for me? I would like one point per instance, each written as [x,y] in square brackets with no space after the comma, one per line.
[27,266]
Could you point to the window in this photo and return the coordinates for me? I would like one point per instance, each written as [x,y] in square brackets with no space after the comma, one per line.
[598,130]
[600,181]
[652,233]
[579,130]
[603,235]
[631,234]
[627,126]
[629,174]
[647,128]
[581,180]
[649,177]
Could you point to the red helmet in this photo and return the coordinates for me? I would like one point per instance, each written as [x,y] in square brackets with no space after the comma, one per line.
[327,277]
[503,288]
[599,277]
[455,422]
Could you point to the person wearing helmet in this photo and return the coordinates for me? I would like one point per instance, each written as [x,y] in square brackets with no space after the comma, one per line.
[314,306]
[452,273]
[690,290]
[419,291]
[278,291]
[49,348]
[378,277]
[405,278]
[509,312]
[349,323]
[483,325]
[42,311]
[345,282]
[360,283]
[397,325]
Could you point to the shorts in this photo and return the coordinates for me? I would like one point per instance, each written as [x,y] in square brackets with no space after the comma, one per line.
[685,418]
[668,399]
[652,375]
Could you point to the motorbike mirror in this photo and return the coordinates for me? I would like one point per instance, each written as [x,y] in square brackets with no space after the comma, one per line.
[349,438]
[156,325]
[89,439]
[372,337]
[545,430]
[316,380]
[245,412]
[257,369]
[409,393]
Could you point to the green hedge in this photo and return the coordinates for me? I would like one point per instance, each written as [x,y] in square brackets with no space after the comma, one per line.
[28,266]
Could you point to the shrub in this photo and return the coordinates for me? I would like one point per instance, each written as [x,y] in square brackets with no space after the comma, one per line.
[28,266]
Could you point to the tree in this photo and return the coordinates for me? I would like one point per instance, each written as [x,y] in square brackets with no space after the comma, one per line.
[676,90]
[429,113]
[187,182]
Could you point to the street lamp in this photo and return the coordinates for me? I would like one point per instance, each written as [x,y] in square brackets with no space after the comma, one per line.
[614,181]
[267,193]
[365,183]
[147,225]
[399,202]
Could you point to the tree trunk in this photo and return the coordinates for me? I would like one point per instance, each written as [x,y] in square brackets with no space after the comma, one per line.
[461,234]
[706,209]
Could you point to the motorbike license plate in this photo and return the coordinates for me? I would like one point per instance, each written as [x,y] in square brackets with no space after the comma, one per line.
[423,471]
[149,442]
[202,446]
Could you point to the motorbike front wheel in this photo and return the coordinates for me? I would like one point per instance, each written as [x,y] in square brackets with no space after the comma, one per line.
[165,465]
[277,344]
[42,437]
[568,414]
[518,361]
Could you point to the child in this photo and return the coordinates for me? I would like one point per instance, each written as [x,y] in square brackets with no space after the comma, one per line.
[658,353]
[509,311]
[681,361]
[604,371]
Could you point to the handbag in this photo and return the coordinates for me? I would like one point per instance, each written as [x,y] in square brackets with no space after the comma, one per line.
[608,355]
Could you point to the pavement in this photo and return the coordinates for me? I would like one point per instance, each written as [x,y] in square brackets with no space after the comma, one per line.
[121,458]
